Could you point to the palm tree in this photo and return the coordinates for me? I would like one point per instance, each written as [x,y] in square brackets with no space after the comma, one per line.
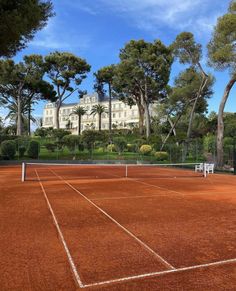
[25,116]
[79,111]
[98,109]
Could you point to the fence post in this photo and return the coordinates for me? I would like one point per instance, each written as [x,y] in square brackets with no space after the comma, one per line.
[205,170]
[234,158]
[23,172]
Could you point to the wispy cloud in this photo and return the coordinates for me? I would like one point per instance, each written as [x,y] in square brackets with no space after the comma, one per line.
[199,16]
[56,36]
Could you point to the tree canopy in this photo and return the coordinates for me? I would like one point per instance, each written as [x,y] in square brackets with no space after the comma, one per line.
[19,21]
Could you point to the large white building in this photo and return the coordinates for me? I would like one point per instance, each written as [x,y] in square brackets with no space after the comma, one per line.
[122,115]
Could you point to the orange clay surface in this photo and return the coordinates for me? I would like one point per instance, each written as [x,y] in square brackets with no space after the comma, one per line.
[148,233]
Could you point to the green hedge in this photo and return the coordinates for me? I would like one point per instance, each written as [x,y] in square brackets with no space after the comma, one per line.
[8,149]
[34,149]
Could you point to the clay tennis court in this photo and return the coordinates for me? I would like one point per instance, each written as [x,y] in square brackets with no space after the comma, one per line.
[92,228]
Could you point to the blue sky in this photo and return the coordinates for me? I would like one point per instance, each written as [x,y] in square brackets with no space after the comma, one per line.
[97,30]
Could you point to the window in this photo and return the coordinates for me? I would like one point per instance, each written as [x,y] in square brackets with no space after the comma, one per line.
[120,106]
[125,114]
[119,114]
[114,115]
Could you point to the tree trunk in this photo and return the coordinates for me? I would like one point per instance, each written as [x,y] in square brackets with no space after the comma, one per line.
[19,120]
[199,94]
[147,120]
[29,115]
[171,124]
[110,118]
[141,118]
[58,106]
[170,131]
[146,110]
[79,124]
[220,124]
[99,122]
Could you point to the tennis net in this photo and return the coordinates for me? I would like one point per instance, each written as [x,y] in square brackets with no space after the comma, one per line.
[51,171]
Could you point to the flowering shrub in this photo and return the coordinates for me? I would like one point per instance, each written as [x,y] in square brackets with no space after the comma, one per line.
[161,156]
[145,149]
[111,148]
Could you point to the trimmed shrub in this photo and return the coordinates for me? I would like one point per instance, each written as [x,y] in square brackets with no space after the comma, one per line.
[100,150]
[138,143]
[34,149]
[120,144]
[161,156]
[21,151]
[8,149]
[60,133]
[51,147]
[71,141]
[111,148]
[131,147]
[7,137]
[145,149]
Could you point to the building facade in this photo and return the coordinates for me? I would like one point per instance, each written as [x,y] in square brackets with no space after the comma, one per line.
[122,115]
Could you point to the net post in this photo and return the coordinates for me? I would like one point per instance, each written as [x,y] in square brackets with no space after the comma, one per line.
[126,171]
[204,170]
[23,170]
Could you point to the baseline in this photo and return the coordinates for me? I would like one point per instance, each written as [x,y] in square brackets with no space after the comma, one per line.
[153,274]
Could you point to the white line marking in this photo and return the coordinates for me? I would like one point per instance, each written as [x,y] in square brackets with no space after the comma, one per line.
[117,223]
[155,186]
[70,259]
[161,273]
[129,197]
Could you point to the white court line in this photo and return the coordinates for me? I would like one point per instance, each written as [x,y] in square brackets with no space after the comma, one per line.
[159,187]
[162,260]
[129,197]
[160,273]
[70,259]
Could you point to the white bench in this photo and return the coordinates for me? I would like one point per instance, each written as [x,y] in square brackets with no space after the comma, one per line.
[199,167]
[210,168]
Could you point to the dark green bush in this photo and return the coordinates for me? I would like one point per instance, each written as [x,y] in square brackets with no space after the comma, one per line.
[51,147]
[120,144]
[34,149]
[161,156]
[7,137]
[21,151]
[60,133]
[131,147]
[72,142]
[8,149]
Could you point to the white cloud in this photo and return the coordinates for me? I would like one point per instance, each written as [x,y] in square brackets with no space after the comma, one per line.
[55,36]
[199,16]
